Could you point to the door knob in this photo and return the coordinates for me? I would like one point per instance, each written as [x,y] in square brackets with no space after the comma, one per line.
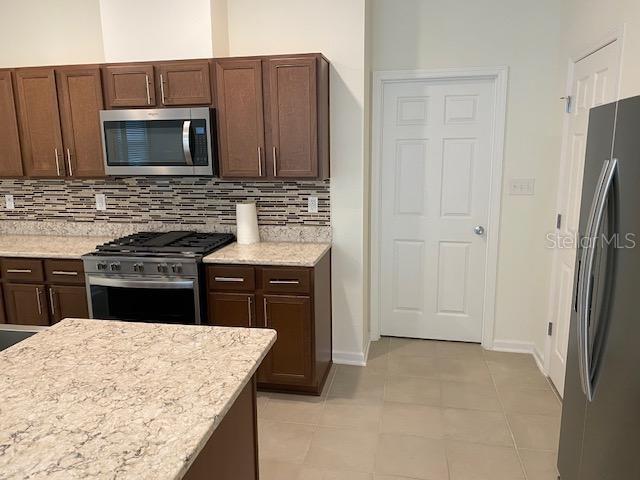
[478,230]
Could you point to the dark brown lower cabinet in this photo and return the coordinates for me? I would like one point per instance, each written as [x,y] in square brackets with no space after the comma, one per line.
[42,292]
[26,304]
[289,362]
[293,301]
[67,301]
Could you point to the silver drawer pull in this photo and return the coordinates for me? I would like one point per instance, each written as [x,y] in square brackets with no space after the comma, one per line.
[65,272]
[19,270]
[229,279]
[284,282]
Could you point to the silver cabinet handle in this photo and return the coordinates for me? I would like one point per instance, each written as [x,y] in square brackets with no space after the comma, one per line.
[186,150]
[55,151]
[229,279]
[69,162]
[64,272]
[275,163]
[53,304]
[19,270]
[162,87]
[284,282]
[266,317]
[259,161]
[249,308]
[146,79]
[585,278]
[38,298]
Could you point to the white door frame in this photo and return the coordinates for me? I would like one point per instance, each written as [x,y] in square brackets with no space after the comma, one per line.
[616,35]
[499,75]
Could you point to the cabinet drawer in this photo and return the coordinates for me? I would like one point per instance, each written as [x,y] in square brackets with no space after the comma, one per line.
[233,278]
[285,280]
[22,270]
[64,271]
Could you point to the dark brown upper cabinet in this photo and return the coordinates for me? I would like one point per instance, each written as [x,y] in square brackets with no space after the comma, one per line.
[292,118]
[184,83]
[10,154]
[41,137]
[129,86]
[240,118]
[275,124]
[80,101]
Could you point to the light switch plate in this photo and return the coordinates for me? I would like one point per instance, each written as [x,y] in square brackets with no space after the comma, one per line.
[9,203]
[522,186]
[312,206]
[101,202]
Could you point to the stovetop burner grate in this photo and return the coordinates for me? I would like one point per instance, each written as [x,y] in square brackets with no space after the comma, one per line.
[176,242]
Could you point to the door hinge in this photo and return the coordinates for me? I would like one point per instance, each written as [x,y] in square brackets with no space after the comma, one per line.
[550,329]
[558,221]
[567,103]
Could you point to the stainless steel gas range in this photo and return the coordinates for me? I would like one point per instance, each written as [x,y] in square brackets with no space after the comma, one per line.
[150,277]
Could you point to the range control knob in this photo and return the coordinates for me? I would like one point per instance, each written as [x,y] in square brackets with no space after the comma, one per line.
[176,268]
[114,267]
[101,265]
[138,267]
[163,268]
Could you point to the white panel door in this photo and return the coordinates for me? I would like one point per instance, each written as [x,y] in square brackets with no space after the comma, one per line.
[435,179]
[595,82]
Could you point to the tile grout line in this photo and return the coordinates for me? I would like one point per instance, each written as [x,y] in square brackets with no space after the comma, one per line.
[506,419]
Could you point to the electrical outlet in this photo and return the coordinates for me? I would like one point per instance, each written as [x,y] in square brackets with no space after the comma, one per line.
[8,202]
[522,186]
[312,206]
[101,202]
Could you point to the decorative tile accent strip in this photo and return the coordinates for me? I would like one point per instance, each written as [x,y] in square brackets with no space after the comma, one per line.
[187,201]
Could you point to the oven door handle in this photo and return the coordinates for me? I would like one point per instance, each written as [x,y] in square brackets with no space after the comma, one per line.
[186,148]
[126,283]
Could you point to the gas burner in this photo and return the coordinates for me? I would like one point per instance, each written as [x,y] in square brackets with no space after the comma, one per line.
[183,243]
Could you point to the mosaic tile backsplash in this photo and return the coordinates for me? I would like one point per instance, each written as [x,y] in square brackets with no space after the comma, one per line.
[184,200]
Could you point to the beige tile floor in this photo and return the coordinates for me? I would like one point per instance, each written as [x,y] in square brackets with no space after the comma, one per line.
[419,410]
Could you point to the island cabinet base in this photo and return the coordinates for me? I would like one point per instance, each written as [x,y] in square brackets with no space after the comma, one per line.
[232,451]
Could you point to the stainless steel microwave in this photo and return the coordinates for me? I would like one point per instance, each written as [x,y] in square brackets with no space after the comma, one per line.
[157,141]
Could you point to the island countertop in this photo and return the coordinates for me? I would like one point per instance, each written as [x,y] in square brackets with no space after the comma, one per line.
[106,399]
[48,246]
[270,253]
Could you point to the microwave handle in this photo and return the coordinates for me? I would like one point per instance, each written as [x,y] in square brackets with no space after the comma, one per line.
[186,149]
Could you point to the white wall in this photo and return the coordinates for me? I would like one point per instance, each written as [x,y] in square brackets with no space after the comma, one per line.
[524,35]
[41,32]
[220,28]
[156,29]
[335,28]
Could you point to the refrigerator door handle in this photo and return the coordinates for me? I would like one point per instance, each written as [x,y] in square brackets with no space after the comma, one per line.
[596,213]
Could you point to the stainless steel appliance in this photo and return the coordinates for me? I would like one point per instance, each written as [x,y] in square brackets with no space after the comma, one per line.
[150,277]
[159,141]
[601,405]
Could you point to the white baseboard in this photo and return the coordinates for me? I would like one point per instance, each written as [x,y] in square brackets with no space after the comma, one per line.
[351,358]
[517,346]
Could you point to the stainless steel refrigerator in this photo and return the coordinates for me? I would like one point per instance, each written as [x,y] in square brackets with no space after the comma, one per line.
[600,436]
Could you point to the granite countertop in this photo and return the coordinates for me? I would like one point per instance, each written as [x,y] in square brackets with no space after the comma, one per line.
[45,246]
[270,253]
[104,399]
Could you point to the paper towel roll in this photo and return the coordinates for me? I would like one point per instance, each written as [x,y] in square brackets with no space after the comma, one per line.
[247,223]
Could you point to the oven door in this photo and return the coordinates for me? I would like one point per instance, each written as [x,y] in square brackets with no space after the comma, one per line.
[158,300]
[168,141]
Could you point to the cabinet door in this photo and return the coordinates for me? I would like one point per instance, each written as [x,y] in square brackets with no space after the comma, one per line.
[66,301]
[39,122]
[10,156]
[129,86]
[232,309]
[290,359]
[80,100]
[240,118]
[185,83]
[292,117]
[26,304]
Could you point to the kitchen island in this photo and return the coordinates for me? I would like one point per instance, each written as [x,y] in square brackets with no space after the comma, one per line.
[94,399]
